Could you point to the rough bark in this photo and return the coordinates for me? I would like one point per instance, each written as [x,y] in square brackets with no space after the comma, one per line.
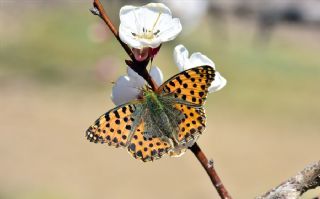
[293,188]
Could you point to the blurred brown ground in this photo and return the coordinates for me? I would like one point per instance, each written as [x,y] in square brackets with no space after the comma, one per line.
[262,128]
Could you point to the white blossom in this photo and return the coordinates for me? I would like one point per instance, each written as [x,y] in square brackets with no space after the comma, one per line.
[184,62]
[147,26]
[128,87]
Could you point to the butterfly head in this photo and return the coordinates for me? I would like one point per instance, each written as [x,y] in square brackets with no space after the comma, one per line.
[148,93]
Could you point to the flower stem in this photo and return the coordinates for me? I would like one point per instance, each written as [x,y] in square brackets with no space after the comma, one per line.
[140,68]
[212,173]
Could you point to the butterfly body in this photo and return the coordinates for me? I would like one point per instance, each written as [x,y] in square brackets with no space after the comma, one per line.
[158,112]
[160,122]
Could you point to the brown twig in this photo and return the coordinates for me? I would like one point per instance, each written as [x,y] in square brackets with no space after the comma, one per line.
[140,68]
[293,188]
[209,167]
[99,10]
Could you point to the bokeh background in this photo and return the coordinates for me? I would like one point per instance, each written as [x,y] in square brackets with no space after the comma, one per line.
[57,65]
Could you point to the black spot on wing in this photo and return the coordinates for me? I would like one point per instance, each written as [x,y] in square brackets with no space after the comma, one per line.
[124,109]
[116,114]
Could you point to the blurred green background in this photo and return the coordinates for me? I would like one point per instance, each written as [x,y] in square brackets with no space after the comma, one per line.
[57,65]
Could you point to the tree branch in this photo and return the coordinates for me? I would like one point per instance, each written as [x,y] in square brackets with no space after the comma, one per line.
[293,188]
[99,10]
[209,167]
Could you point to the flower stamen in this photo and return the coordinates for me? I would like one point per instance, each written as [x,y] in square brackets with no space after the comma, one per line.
[155,23]
[148,34]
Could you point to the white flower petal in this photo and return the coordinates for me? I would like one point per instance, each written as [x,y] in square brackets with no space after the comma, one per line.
[135,79]
[158,7]
[147,26]
[127,88]
[128,15]
[198,59]
[127,39]
[157,75]
[153,43]
[181,56]
[218,83]
[149,15]
[124,91]
[170,31]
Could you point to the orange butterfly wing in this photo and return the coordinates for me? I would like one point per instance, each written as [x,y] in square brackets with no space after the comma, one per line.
[190,85]
[190,90]
[193,123]
[113,127]
[147,149]
[117,128]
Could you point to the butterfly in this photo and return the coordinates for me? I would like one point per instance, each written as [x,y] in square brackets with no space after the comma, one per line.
[162,120]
